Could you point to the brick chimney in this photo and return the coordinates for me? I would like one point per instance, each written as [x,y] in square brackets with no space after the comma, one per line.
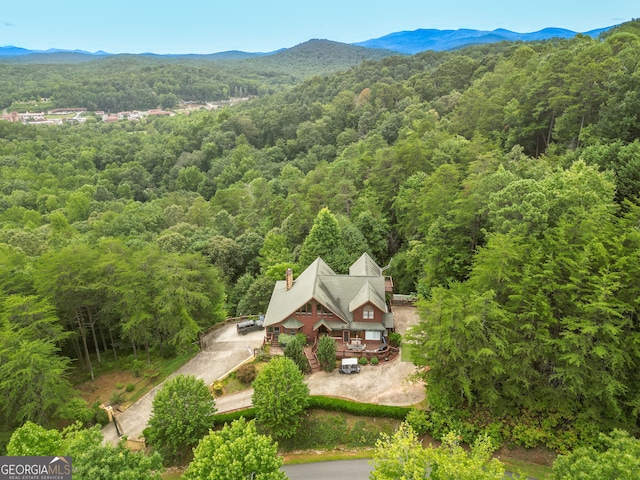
[289,278]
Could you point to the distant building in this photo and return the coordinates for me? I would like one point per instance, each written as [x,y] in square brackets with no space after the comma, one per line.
[66,111]
[11,117]
[31,116]
[160,112]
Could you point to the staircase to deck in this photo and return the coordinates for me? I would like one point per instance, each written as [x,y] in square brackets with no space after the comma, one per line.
[313,360]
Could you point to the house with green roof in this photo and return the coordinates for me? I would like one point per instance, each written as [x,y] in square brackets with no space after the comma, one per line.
[353,308]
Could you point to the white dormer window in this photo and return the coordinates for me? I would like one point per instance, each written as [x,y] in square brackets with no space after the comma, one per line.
[367,313]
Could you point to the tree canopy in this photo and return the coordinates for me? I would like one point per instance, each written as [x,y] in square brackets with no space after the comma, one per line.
[182,414]
[280,396]
[91,458]
[402,456]
[616,456]
[237,451]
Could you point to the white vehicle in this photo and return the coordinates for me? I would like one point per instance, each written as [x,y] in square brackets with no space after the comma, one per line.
[349,365]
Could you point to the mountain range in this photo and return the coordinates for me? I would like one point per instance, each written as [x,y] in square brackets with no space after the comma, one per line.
[406,42]
[410,42]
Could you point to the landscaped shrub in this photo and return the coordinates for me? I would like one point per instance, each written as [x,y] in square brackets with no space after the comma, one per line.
[326,353]
[357,408]
[375,361]
[395,339]
[419,421]
[263,355]
[222,418]
[217,387]
[494,432]
[151,372]
[363,361]
[100,417]
[116,397]
[445,421]
[295,351]
[285,338]
[246,373]
[130,387]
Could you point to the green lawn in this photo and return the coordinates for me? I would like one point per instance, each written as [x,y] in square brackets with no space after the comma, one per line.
[532,470]
[405,352]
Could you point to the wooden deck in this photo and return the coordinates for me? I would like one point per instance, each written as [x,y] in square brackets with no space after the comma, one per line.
[370,350]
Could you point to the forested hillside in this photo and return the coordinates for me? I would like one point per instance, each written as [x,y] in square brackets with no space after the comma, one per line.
[502,183]
[141,82]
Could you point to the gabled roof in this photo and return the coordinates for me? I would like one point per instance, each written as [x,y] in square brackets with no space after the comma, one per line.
[367,294]
[365,266]
[341,294]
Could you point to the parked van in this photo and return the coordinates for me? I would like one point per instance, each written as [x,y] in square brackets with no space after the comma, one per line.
[249,326]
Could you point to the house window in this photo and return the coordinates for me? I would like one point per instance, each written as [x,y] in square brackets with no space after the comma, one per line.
[367,313]
[305,310]
[372,335]
[323,312]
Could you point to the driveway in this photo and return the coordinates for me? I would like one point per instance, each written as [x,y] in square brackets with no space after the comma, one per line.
[223,350]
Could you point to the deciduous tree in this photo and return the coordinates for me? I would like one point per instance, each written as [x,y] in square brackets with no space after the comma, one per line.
[617,456]
[237,451]
[182,414]
[280,396]
[401,456]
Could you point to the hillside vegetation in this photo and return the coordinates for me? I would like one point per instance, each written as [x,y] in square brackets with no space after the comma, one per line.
[501,182]
[140,82]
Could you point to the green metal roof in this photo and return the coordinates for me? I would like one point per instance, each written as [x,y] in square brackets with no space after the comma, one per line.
[330,324]
[368,326]
[292,323]
[365,266]
[367,294]
[339,294]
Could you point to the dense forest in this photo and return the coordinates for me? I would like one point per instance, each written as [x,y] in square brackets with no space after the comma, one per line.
[141,82]
[502,182]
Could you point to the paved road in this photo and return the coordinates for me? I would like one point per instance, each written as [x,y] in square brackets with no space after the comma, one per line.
[339,470]
[222,351]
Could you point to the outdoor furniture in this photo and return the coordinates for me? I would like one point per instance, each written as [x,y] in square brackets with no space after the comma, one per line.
[356,346]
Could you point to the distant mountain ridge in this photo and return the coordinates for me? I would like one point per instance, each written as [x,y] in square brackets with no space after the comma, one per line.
[411,42]
[12,51]
[405,42]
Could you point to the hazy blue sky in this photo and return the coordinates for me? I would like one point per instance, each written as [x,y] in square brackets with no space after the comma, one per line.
[209,26]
